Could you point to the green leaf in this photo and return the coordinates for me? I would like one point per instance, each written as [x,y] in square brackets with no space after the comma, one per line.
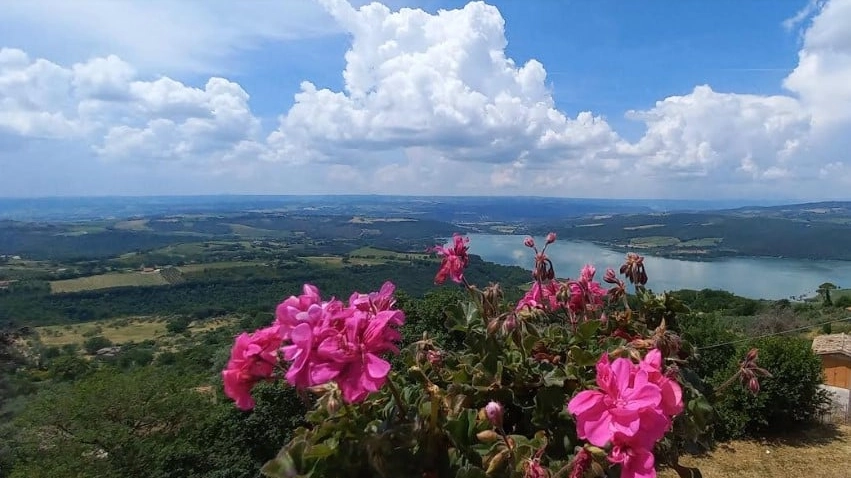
[282,466]
[587,329]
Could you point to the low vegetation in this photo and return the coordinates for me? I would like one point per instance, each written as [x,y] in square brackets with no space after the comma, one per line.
[71,295]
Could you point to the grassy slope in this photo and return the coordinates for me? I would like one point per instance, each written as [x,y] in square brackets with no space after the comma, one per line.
[822,451]
[121,331]
[103,281]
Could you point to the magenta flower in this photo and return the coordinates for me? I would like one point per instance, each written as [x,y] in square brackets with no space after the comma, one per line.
[253,359]
[672,393]
[350,355]
[455,260]
[540,296]
[494,412]
[635,462]
[374,301]
[628,403]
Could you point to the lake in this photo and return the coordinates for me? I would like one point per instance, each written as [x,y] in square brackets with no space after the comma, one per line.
[758,278]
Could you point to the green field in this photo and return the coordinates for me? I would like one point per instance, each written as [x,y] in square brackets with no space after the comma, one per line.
[654,241]
[122,331]
[105,281]
[133,225]
[218,265]
[373,253]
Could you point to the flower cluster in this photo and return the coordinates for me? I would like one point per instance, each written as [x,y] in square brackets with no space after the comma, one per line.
[458,409]
[252,360]
[455,259]
[633,410]
[323,341]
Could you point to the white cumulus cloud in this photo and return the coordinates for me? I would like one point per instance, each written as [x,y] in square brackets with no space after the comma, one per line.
[429,103]
[437,81]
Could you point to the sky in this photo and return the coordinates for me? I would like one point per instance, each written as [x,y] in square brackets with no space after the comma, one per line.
[603,99]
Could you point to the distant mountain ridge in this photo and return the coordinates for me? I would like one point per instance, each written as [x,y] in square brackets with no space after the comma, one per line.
[444,208]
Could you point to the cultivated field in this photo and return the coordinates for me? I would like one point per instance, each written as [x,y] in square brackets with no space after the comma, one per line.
[105,281]
[823,451]
[120,331]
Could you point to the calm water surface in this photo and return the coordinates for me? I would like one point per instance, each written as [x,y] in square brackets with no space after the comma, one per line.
[760,278]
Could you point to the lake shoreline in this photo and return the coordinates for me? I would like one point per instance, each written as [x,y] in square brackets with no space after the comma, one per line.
[766,278]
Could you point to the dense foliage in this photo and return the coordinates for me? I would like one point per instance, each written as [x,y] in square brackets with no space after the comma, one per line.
[495,406]
[788,399]
[218,440]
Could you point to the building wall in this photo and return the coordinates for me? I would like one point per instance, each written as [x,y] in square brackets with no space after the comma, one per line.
[837,371]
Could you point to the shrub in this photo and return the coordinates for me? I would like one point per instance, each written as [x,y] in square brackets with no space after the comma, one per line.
[93,344]
[573,378]
[177,325]
[789,398]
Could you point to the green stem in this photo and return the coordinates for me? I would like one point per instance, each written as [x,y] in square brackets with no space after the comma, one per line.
[397,397]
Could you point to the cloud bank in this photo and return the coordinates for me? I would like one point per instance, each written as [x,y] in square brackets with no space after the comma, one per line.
[430,104]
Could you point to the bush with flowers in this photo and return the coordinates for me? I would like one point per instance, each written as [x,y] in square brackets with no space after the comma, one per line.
[571,381]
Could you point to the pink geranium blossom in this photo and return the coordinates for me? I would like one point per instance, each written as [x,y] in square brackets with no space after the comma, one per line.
[253,359]
[351,354]
[627,402]
[672,393]
[635,462]
[455,259]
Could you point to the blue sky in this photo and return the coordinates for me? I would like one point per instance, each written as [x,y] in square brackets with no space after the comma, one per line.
[564,98]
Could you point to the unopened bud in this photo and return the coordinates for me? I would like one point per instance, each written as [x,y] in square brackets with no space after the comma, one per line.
[551,238]
[493,326]
[529,242]
[535,470]
[752,355]
[332,405]
[610,276]
[509,324]
[753,385]
[494,412]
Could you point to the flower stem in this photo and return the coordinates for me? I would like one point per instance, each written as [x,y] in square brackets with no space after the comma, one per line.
[397,397]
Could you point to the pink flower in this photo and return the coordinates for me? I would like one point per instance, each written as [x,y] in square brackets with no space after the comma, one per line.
[455,260]
[253,359]
[551,238]
[295,310]
[374,301]
[535,470]
[587,273]
[672,393]
[635,462]
[540,296]
[529,242]
[627,405]
[350,355]
[494,412]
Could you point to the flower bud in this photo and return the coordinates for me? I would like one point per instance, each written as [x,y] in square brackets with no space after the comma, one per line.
[493,326]
[752,355]
[610,276]
[529,242]
[332,405]
[551,238]
[510,324]
[494,412]
[753,385]
[535,470]
[435,358]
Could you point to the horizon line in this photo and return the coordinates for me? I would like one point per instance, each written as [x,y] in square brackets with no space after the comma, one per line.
[443,196]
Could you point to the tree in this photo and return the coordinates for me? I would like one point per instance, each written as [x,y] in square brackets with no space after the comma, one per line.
[824,292]
[93,344]
[111,424]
